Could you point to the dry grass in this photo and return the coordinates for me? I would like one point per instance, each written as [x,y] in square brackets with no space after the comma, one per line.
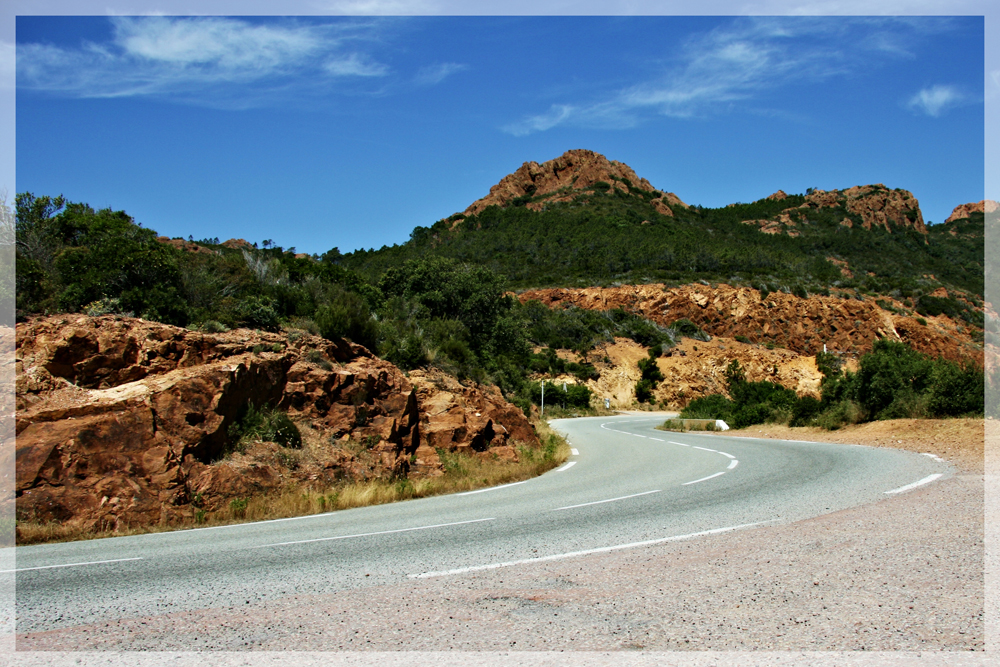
[462,473]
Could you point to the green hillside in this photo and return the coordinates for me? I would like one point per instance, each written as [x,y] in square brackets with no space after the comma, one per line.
[612,236]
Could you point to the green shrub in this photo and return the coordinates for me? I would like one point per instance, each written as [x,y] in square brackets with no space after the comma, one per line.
[106,306]
[956,390]
[891,372]
[806,409]
[257,312]
[840,414]
[688,329]
[575,395]
[213,326]
[266,424]
[238,507]
[346,315]
[713,406]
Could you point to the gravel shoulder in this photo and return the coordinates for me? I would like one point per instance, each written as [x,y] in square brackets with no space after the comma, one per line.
[905,573]
[958,441]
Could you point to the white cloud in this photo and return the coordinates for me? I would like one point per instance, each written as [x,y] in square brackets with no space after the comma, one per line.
[739,62]
[355,65]
[206,56]
[936,100]
[555,116]
[434,74]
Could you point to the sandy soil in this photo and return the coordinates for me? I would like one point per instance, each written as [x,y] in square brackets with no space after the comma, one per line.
[958,441]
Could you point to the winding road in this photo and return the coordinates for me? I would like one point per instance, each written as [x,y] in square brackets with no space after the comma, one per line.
[626,485]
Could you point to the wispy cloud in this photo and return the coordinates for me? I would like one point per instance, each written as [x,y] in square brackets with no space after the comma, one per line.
[161,56]
[737,63]
[355,65]
[935,100]
[556,115]
[382,7]
[435,74]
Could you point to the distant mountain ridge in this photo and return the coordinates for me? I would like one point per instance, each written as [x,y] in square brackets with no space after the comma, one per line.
[583,220]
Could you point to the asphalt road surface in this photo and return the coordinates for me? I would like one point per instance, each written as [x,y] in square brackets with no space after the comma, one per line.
[626,484]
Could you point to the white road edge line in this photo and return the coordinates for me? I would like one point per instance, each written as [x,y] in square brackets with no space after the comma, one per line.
[381,532]
[925,480]
[49,567]
[703,478]
[574,451]
[586,552]
[733,464]
[491,488]
[567,466]
[609,500]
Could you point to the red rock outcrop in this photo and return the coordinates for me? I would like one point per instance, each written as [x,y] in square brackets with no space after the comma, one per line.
[124,421]
[876,205]
[186,246]
[964,210]
[567,176]
[803,325]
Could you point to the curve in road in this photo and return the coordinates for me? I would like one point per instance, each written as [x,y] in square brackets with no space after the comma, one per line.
[627,485]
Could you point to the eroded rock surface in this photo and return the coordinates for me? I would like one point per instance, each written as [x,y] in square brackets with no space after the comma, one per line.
[803,325]
[565,177]
[121,421]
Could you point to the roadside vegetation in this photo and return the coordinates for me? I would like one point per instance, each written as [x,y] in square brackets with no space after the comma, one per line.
[893,381]
[461,473]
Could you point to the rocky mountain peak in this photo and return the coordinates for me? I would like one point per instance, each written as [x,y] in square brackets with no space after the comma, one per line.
[877,205]
[573,173]
[963,211]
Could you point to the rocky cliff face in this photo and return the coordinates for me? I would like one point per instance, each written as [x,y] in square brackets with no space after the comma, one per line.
[963,211]
[124,421]
[844,325]
[876,205]
[572,173]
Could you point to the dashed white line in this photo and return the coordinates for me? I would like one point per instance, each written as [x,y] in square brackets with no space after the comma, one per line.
[574,451]
[728,456]
[703,478]
[925,480]
[50,567]
[492,488]
[567,466]
[706,449]
[381,532]
[609,500]
[657,439]
[586,552]
[733,464]
[678,443]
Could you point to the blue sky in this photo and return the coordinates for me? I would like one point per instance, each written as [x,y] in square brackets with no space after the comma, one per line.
[349,131]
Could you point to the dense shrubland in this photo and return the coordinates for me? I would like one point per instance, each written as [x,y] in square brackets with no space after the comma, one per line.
[893,381]
[421,312]
[619,236]
[442,300]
